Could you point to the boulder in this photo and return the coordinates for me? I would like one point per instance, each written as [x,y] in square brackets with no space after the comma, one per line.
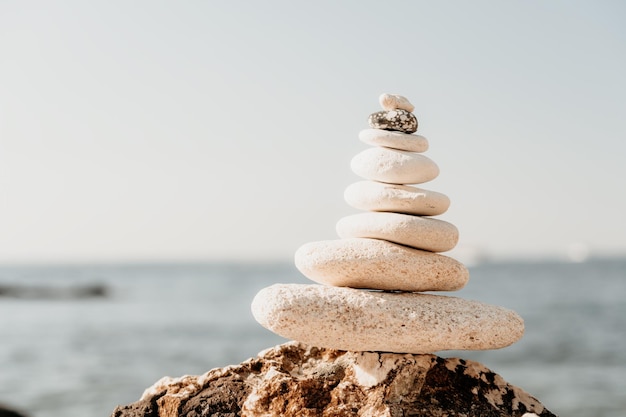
[296,380]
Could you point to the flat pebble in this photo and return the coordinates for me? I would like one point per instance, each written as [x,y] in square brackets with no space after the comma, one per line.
[396,140]
[417,232]
[395,101]
[400,120]
[394,166]
[379,196]
[357,320]
[378,264]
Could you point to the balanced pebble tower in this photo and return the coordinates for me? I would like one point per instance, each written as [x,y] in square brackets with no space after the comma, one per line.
[373,276]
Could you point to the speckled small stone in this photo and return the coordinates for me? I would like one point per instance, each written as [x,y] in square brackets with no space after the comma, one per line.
[357,320]
[417,232]
[400,120]
[378,264]
[395,140]
[395,101]
[379,196]
[394,166]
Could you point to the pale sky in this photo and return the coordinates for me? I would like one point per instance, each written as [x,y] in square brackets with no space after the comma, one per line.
[205,130]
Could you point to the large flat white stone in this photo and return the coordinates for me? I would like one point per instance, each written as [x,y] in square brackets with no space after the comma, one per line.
[357,320]
[378,264]
[415,231]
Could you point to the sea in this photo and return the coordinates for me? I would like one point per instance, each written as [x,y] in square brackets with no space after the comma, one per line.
[78,340]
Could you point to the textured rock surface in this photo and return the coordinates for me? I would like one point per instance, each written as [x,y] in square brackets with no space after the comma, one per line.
[395,140]
[397,198]
[415,231]
[400,120]
[358,320]
[378,264]
[394,166]
[293,380]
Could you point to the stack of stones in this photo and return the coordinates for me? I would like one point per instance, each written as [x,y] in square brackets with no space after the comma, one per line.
[374,276]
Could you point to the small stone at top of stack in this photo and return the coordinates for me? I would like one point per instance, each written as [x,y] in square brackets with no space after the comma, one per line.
[397,114]
[392,246]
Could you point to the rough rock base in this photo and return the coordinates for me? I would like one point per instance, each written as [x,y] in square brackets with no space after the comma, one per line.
[297,380]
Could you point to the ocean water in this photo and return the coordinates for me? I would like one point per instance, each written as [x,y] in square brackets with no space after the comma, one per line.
[63,354]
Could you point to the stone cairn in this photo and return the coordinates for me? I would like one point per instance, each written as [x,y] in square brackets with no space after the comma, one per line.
[374,276]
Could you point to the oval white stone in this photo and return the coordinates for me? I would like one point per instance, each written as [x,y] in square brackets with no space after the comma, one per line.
[357,320]
[417,232]
[395,101]
[379,196]
[394,139]
[378,264]
[394,166]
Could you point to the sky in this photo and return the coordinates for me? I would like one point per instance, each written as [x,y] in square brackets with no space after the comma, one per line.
[210,131]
